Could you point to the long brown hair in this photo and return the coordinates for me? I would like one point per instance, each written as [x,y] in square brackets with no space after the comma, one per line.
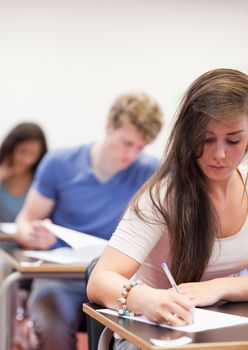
[22,132]
[186,209]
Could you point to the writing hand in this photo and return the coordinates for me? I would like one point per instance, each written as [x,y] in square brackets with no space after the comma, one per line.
[167,306]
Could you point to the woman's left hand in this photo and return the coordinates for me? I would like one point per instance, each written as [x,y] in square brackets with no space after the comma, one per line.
[203,293]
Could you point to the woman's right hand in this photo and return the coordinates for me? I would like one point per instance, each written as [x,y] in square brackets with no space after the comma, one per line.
[164,306]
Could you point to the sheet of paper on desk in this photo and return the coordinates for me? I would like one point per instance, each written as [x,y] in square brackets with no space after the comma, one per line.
[74,238]
[204,319]
[67,255]
[8,227]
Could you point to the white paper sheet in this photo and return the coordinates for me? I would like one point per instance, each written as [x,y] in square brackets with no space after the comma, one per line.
[203,320]
[72,237]
[66,255]
[9,228]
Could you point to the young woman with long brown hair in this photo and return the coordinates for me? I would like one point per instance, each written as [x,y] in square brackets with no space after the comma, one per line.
[192,213]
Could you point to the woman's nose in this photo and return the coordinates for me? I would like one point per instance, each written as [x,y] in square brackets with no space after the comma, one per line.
[219,151]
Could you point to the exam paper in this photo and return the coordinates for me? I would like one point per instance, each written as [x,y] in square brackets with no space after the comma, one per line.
[84,247]
[75,239]
[203,320]
[66,255]
[9,228]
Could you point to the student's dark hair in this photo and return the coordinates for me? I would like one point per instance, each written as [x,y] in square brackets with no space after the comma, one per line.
[185,206]
[22,132]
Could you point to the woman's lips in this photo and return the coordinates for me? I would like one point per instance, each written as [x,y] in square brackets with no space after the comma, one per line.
[218,167]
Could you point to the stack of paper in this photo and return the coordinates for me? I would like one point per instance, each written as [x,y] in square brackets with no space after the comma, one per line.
[84,247]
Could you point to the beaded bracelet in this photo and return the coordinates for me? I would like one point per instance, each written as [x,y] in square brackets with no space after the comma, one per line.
[122,300]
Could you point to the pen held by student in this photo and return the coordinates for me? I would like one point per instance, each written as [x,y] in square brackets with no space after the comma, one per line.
[170,278]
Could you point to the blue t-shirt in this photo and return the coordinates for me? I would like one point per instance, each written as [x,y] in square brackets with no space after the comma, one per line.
[9,205]
[82,201]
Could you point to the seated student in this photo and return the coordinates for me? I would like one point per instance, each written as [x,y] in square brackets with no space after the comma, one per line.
[85,188]
[20,153]
[192,214]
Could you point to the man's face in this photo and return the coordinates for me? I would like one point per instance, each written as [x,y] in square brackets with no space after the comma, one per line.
[124,145]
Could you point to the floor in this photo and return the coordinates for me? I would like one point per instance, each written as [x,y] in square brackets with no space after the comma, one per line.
[82,341]
[22,337]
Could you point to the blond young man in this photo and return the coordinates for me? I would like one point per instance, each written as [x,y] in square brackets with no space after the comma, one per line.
[87,189]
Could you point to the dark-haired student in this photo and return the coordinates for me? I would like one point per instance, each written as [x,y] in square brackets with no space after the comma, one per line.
[20,153]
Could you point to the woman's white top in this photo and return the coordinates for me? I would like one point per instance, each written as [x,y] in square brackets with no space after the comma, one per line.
[148,243]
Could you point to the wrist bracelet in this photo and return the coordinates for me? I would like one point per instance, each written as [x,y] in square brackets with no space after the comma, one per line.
[122,300]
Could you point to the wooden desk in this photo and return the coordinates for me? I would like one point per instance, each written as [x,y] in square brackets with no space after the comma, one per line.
[137,333]
[6,237]
[26,268]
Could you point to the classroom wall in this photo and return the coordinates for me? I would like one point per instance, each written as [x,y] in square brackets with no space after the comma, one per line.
[63,62]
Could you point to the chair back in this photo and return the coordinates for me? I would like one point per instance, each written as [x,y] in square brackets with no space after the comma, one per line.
[94,328]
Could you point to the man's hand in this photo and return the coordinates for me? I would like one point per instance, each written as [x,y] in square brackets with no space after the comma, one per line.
[31,233]
[36,236]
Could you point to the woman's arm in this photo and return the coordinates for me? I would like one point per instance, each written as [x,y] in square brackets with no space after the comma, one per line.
[209,292]
[114,269]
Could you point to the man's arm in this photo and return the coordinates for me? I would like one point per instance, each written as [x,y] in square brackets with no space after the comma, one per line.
[30,233]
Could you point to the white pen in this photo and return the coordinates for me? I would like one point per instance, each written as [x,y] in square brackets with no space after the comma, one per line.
[170,277]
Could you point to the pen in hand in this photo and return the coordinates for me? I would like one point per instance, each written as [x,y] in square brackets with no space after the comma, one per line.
[170,277]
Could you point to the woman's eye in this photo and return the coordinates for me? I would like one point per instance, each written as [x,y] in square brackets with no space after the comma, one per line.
[233,142]
[230,142]
[209,140]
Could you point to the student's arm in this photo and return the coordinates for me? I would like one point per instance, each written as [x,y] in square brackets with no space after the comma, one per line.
[30,233]
[209,292]
[114,269]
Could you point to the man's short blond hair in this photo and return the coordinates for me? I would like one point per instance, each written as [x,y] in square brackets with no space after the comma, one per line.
[140,110]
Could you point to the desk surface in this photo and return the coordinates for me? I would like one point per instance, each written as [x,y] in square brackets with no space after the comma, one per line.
[27,268]
[6,237]
[21,263]
[229,338]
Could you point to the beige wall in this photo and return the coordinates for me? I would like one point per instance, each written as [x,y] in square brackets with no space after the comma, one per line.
[63,62]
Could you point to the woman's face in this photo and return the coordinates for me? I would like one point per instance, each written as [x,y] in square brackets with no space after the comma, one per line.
[26,154]
[224,148]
